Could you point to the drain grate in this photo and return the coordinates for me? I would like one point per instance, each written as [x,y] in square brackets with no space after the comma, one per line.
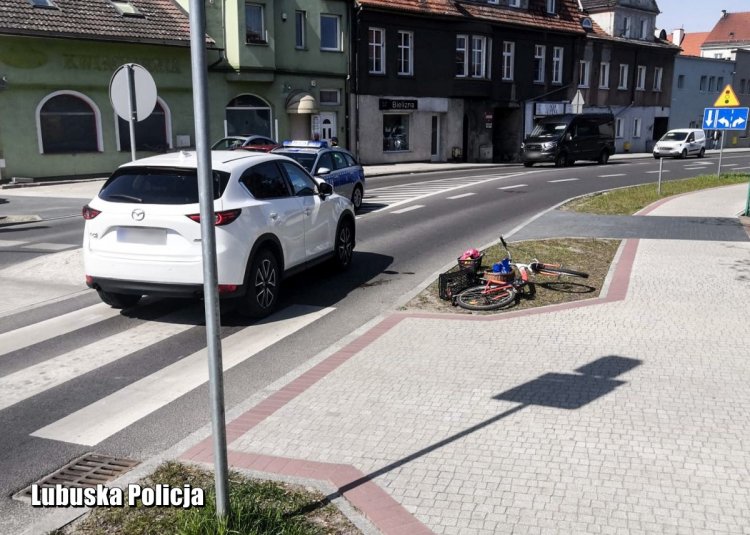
[87,471]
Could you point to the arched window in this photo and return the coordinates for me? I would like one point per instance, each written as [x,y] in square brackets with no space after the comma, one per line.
[68,122]
[153,134]
[247,115]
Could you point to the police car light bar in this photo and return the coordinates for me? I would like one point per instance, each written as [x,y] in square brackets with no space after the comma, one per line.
[305,144]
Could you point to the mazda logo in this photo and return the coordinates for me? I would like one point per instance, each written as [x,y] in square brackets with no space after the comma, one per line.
[138,214]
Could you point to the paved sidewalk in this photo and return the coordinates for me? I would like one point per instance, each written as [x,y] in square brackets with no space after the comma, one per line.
[625,414]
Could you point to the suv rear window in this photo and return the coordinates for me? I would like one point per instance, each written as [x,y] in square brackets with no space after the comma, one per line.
[157,185]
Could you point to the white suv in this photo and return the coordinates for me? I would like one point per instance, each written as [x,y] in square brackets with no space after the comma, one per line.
[142,234]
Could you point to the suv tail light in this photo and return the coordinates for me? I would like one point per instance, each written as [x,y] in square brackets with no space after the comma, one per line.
[89,213]
[222,218]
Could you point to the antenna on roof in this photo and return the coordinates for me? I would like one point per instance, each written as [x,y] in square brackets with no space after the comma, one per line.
[723,13]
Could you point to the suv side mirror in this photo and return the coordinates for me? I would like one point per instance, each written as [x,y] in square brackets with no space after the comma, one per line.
[568,137]
[322,171]
[324,189]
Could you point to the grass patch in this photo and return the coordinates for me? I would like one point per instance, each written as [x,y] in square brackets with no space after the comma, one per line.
[257,508]
[627,201]
[593,256]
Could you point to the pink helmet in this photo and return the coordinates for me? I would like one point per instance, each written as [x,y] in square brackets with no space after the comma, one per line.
[470,253]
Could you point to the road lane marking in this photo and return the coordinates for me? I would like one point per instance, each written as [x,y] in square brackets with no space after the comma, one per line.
[741,168]
[409,209]
[45,330]
[11,243]
[516,186]
[652,172]
[608,176]
[38,378]
[50,246]
[694,168]
[563,180]
[729,165]
[461,196]
[109,415]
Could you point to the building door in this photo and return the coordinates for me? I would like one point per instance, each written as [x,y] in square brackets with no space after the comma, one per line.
[435,139]
[327,126]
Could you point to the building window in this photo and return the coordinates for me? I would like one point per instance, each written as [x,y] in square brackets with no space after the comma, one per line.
[395,132]
[619,128]
[719,55]
[152,134]
[681,81]
[46,4]
[405,53]
[557,65]
[636,127]
[255,28]
[604,76]
[509,49]
[583,73]
[462,63]
[743,85]
[126,9]
[640,83]
[330,97]
[658,74]
[68,122]
[626,27]
[540,52]
[377,50]
[514,3]
[551,7]
[712,84]
[248,114]
[704,81]
[330,34]
[300,22]
[478,56]
[644,28]
[720,83]
[623,84]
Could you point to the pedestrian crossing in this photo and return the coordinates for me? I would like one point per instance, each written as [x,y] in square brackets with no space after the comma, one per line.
[62,373]
[36,246]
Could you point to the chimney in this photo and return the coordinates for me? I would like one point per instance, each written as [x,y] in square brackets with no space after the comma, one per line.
[678,35]
[723,13]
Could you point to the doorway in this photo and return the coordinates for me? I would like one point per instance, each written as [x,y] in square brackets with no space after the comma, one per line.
[435,139]
[327,126]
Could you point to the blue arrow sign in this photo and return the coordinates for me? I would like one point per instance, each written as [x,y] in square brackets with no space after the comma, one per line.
[725,118]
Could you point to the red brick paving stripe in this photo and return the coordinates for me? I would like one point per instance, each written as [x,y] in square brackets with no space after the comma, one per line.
[377,505]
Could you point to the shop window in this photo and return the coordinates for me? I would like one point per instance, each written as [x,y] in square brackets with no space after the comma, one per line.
[68,122]
[255,28]
[151,134]
[395,132]
[247,115]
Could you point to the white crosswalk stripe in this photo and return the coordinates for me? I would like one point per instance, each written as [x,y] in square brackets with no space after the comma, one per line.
[102,419]
[37,246]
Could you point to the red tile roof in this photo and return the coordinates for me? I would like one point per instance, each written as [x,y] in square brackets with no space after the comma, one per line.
[163,22]
[568,18]
[734,28]
[691,43]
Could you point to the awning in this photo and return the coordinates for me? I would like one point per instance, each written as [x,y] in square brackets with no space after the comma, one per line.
[301,103]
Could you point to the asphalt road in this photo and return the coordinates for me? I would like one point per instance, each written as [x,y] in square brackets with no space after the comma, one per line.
[411,228]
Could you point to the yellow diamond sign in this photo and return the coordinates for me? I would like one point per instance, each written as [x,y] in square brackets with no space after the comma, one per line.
[727,99]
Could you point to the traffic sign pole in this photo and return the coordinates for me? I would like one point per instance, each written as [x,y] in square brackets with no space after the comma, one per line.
[133,109]
[721,153]
[661,168]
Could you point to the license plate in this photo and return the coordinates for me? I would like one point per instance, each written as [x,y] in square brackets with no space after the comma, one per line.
[145,236]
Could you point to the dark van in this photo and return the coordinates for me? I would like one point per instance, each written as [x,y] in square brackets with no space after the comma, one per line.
[563,139]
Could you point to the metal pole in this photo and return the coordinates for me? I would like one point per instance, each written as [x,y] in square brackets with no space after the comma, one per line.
[721,153]
[208,245]
[661,167]
[133,108]
[747,204]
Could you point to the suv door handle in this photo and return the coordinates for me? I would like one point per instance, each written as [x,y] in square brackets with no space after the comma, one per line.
[307,211]
[273,215]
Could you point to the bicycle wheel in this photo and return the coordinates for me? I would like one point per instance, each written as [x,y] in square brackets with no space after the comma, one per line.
[481,298]
[546,269]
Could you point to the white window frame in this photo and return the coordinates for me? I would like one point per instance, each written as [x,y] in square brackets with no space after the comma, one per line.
[540,55]
[406,53]
[658,76]
[558,53]
[584,72]
[644,28]
[509,52]
[337,92]
[622,83]
[263,39]
[300,22]
[626,27]
[637,127]
[604,75]
[640,79]
[337,18]
[514,3]
[551,7]
[376,51]
[87,100]
[478,56]
[466,52]
[619,128]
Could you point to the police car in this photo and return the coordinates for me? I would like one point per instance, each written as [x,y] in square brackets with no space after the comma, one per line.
[332,164]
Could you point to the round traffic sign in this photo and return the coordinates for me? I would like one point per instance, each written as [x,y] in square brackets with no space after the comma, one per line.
[143,85]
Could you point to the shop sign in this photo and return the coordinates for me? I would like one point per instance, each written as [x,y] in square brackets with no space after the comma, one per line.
[392,104]
[550,108]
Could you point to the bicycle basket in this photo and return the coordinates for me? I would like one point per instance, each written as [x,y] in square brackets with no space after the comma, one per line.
[472,264]
[452,283]
[499,277]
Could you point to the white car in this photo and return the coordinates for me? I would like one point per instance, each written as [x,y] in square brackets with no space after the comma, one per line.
[143,237]
[681,143]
